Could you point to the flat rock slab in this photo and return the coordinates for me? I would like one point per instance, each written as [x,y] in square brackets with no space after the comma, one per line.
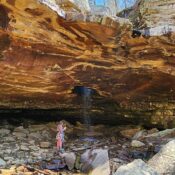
[164,161]
[137,167]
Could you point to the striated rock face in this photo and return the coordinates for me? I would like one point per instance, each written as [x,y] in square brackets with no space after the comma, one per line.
[109,7]
[154,17]
[44,55]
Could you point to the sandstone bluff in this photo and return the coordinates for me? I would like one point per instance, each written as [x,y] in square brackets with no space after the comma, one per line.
[47,49]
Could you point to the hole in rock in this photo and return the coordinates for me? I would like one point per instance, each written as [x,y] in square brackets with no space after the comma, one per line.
[4,20]
[84,91]
[136,33]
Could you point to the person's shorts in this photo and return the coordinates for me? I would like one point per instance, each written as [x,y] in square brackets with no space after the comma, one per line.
[62,137]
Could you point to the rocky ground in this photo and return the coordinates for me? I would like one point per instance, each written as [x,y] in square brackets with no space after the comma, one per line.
[30,148]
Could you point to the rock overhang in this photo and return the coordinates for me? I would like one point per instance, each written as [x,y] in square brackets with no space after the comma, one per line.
[44,56]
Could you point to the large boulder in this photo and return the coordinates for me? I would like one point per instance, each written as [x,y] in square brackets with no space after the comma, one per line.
[164,161]
[70,159]
[95,162]
[137,167]
[2,163]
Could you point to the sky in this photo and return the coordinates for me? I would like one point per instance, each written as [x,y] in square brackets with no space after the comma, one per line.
[121,3]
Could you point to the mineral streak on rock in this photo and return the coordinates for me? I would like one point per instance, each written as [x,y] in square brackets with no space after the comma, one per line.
[44,56]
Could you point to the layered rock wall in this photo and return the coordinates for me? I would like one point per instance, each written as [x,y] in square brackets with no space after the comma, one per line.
[155,17]
[109,7]
[43,56]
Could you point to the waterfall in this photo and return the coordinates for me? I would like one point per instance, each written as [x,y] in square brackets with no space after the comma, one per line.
[86,102]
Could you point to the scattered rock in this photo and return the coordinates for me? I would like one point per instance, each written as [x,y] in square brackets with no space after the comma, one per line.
[24,148]
[34,135]
[34,148]
[129,133]
[139,134]
[77,162]
[137,167]
[153,131]
[113,139]
[93,134]
[8,158]
[19,134]
[137,144]
[21,129]
[164,133]
[164,161]
[4,132]
[35,128]
[9,139]
[95,162]
[115,163]
[45,144]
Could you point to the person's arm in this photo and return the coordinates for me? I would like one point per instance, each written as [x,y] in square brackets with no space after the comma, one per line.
[64,128]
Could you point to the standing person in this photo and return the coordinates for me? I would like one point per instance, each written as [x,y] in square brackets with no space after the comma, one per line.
[60,129]
[59,142]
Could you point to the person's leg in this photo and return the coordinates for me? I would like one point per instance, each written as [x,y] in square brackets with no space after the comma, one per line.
[57,145]
[62,141]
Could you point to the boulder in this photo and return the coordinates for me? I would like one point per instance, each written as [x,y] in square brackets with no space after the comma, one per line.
[34,135]
[4,132]
[21,129]
[161,134]
[35,128]
[95,162]
[2,163]
[9,139]
[137,144]
[24,148]
[129,133]
[164,161]
[137,167]
[45,144]
[70,159]
[19,134]
[139,134]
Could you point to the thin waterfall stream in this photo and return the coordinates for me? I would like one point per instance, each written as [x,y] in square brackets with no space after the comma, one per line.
[87,103]
[85,95]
